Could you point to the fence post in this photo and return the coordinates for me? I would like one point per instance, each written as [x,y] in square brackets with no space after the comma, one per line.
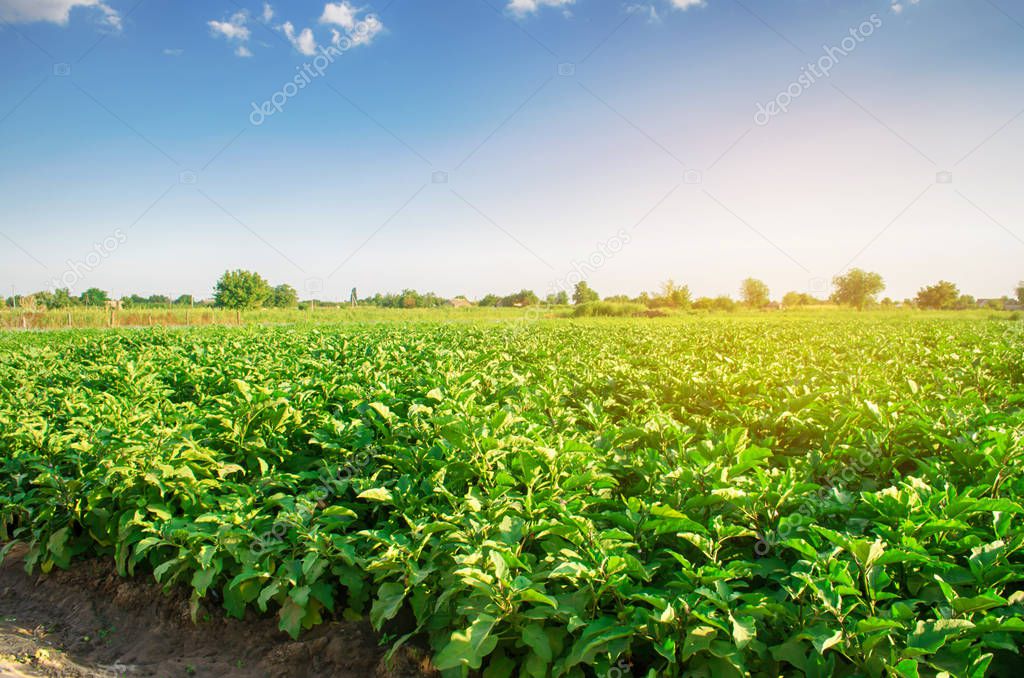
[238,317]
[69,318]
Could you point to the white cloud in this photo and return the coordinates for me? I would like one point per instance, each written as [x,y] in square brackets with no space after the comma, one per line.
[645,9]
[304,41]
[367,28]
[360,28]
[236,30]
[524,7]
[173,52]
[232,29]
[55,11]
[687,4]
[898,6]
[341,14]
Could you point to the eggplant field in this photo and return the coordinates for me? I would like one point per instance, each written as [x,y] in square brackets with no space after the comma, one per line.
[748,496]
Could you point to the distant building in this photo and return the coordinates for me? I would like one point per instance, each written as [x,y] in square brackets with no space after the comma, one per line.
[114,304]
[1004,303]
[460,302]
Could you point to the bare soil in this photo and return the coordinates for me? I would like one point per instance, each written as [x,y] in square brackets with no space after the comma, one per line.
[87,622]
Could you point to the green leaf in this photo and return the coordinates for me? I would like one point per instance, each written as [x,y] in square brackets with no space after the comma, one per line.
[907,669]
[202,579]
[698,640]
[985,601]
[535,596]
[383,410]
[929,637]
[378,494]
[388,602]
[596,638]
[291,615]
[469,647]
[744,629]
[534,637]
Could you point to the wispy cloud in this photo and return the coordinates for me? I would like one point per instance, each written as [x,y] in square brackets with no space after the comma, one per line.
[897,6]
[173,52]
[234,28]
[522,8]
[358,27]
[302,40]
[687,4]
[361,28]
[56,11]
[340,13]
[645,9]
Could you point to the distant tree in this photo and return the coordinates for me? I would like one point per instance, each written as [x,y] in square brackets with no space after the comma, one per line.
[158,300]
[284,296]
[754,293]
[795,299]
[583,294]
[407,298]
[941,295]
[241,289]
[94,297]
[44,299]
[521,298]
[57,299]
[618,299]
[1020,292]
[490,300]
[672,295]
[184,300]
[722,303]
[559,298]
[966,301]
[857,288]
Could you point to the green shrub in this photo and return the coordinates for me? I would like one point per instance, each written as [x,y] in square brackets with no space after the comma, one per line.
[608,309]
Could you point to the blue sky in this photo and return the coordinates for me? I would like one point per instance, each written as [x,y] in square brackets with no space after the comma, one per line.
[478,146]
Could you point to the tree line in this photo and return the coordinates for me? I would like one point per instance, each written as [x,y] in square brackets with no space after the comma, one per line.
[856,288]
[241,289]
